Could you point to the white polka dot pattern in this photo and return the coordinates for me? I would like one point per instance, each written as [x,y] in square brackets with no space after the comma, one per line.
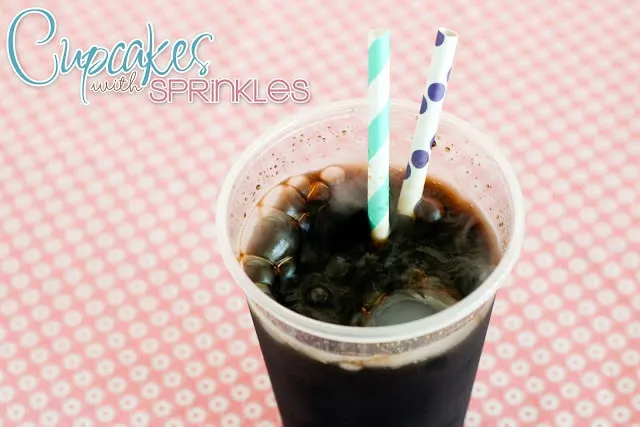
[115,309]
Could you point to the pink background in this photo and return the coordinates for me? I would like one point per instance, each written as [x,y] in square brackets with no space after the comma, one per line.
[115,308]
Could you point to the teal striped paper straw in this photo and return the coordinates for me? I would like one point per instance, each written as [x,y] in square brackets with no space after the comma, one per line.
[379,123]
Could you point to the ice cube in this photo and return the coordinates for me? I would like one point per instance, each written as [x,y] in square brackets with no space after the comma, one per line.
[305,222]
[333,175]
[264,288]
[318,295]
[285,199]
[337,267]
[428,209]
[319,193]
[287,268]
[408,305]
[259,269]
[271,234]
[300,183]
[316,290]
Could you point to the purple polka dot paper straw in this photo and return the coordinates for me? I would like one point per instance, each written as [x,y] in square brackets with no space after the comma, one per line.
[429,115]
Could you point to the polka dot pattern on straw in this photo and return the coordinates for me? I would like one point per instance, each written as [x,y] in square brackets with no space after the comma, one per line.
[429,115]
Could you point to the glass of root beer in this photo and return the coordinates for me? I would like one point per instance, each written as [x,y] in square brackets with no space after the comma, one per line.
[357,333]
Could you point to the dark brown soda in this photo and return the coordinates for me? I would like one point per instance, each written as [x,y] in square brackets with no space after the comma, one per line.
[312,252]
[428,393]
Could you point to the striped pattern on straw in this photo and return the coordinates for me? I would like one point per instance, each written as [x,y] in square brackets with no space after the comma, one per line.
[379,125]
[430,110]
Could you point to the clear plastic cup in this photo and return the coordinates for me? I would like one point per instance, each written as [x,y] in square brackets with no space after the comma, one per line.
[328,375]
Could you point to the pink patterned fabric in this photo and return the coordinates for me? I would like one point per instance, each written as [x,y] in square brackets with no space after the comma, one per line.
[115,308]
